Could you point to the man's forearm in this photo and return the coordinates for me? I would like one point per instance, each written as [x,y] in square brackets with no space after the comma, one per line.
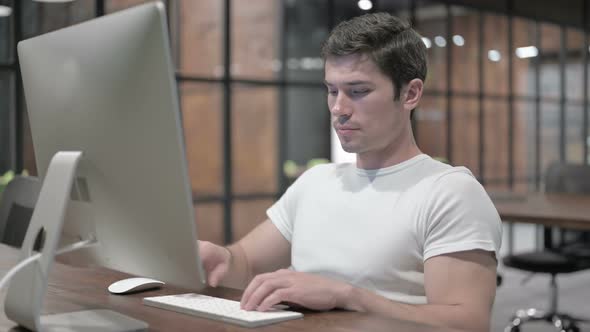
[459,316]
[262,250]
[238,274]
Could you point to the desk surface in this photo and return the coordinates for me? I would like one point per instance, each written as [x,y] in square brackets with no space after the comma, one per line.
[73,288]
[560,210]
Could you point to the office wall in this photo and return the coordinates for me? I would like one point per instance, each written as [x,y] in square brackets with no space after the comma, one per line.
[252,122]
[505,120]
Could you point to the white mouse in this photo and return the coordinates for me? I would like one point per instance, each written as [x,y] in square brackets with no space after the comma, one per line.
[130,285]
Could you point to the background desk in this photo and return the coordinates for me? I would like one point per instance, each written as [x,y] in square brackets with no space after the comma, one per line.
[554,210]
[72,289]
[559,210]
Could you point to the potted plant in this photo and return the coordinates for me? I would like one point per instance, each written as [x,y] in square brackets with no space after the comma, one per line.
[292,170]
[4,179]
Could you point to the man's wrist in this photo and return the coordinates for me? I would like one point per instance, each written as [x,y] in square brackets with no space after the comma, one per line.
[348,298]
[230,255]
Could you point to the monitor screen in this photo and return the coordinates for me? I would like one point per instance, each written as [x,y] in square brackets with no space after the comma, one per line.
[106,87]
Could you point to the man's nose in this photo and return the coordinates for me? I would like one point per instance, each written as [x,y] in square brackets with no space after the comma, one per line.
[341,106]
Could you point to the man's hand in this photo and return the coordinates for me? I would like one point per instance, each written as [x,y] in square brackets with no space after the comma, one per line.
[264,249]
[216,261]
[308,290]
[460,289]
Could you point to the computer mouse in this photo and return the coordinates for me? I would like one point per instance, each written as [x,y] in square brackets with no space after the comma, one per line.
[132,285]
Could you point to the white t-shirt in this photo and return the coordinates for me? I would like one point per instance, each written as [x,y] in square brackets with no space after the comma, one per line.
[376,228]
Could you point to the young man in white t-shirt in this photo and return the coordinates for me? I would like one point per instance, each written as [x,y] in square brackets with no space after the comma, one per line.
[398,233]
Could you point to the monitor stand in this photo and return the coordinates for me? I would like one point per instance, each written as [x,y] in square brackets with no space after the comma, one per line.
[26,292]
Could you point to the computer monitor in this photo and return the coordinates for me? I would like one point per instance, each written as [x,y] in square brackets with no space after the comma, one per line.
[106,87]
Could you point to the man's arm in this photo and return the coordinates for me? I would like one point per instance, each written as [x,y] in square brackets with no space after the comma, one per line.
[262,250]
[460,289]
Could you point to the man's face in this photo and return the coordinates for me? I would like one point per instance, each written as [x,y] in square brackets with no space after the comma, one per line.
[360,99]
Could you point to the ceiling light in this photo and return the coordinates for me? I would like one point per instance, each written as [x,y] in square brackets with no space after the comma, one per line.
[5,11]
[365,4]
[440,41]
[427,42]
[458,40]
[292,63]
[494,55]
[54,1]
[312,63]
[527,52]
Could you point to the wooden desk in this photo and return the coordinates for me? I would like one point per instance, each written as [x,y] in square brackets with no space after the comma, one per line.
[72,289]
[551,210]
[557,210]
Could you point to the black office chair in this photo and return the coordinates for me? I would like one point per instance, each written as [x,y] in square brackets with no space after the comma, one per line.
[16,209]
[567,258]
[570,178]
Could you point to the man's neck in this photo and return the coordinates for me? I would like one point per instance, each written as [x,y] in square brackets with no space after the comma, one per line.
[391,155]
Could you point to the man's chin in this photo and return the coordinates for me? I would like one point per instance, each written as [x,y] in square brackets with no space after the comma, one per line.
[349,148]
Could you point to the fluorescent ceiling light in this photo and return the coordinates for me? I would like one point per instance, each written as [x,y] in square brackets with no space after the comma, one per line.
[527,52]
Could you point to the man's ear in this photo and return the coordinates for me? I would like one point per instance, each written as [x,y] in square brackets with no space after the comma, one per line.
[412,93]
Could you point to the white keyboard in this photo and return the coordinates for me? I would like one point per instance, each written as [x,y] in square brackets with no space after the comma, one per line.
[218,309]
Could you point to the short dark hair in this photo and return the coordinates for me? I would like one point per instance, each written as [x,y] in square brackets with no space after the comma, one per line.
[396,48]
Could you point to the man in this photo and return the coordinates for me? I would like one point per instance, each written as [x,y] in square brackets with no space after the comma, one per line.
[398,233]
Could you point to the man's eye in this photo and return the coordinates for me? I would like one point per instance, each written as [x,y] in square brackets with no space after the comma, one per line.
[332,92]
[360,92]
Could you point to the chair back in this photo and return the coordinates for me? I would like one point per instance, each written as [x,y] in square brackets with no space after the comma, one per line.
[567,178]
[573,179]
[16,208]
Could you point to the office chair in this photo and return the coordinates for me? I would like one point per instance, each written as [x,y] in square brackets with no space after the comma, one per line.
[570,178]
[559,178]
[16,208]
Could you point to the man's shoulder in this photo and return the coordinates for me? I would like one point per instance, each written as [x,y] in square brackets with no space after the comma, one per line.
[455,184]
[452,173]
[446,178]
[457,175]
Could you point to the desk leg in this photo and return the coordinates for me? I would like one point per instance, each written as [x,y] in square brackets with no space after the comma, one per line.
[548,237]
[510,238]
